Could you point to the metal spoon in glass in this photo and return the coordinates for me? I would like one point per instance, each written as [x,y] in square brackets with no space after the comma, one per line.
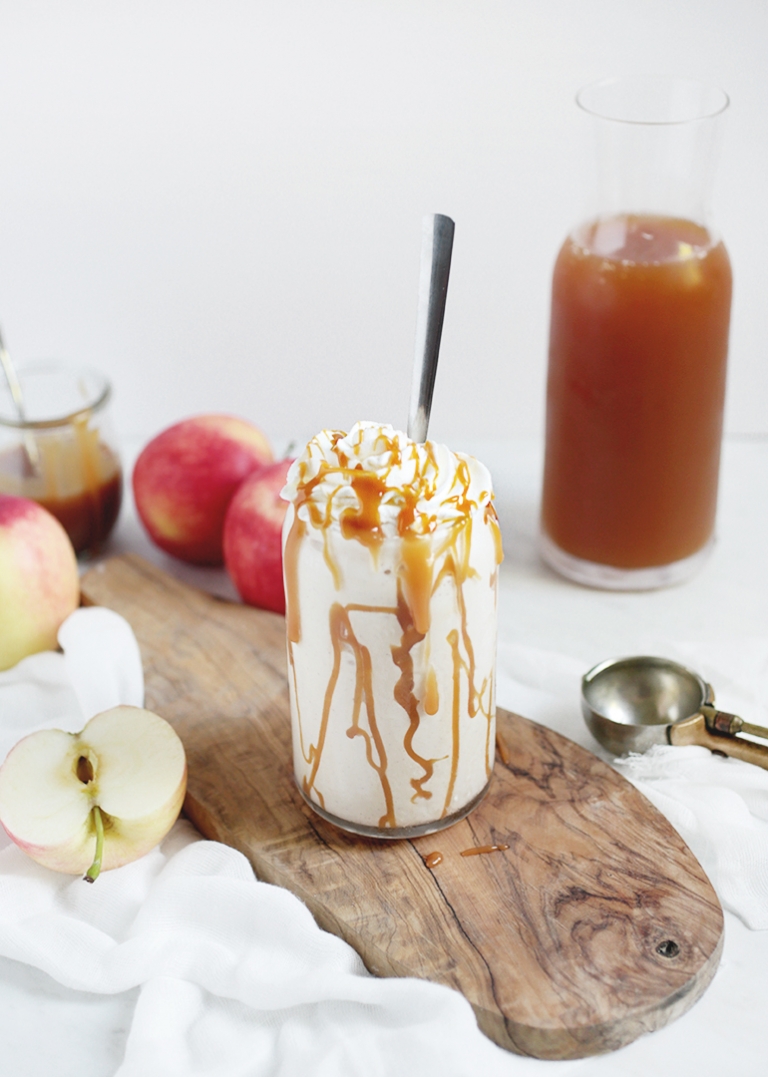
[436,248]
[30,445]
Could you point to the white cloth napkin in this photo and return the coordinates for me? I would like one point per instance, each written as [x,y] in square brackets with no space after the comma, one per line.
[230,976]
[235,977]
[719,806]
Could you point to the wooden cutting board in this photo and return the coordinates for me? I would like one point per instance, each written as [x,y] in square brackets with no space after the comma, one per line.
[596,925]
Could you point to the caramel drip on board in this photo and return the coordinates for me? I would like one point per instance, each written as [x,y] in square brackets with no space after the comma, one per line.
[479,850]
[433,859]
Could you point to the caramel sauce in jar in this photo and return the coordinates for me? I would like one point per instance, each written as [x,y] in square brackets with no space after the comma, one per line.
[58,449]
[88,517]
[77,479]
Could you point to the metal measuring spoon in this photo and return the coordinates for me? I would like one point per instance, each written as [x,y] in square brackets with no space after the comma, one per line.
[631,704]
[436,248]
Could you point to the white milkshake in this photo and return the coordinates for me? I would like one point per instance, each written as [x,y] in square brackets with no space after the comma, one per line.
[391,554]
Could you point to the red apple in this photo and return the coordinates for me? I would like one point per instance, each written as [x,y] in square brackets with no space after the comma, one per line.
[253,538]
[39,582]
[184,480]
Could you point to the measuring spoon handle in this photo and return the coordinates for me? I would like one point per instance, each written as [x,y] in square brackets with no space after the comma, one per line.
[694,730]
[723,722]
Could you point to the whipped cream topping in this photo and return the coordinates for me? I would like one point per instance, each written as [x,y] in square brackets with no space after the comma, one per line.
[402,485]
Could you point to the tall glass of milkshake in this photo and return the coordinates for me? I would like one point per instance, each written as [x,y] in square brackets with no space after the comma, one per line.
[391,551]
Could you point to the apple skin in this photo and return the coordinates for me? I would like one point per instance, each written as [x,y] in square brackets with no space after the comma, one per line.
[139,778]
[39,581]
[184,480]
[253,553]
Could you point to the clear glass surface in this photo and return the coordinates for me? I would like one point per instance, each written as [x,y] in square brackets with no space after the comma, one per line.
[641,296]
[63,452]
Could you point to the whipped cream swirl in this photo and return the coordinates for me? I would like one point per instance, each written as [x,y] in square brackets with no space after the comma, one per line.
[417,487]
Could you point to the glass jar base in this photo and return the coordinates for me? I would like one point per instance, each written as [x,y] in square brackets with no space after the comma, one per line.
[609,578]
[398,832]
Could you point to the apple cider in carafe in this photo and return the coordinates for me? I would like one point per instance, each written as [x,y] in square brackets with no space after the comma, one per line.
[635,392]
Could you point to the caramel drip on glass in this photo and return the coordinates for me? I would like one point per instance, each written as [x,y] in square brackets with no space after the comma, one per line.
[460,571]
[431,693]
[364,523]
[488,718]
[453,640]
[291,577]
[491,518]
[342,634]
[416,578]
[404,694]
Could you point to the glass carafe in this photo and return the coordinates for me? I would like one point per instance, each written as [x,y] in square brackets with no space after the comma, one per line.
[641,300]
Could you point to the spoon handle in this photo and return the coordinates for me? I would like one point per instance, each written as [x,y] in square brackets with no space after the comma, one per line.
[12,378]
[694,730]
[436,248]
[731,724]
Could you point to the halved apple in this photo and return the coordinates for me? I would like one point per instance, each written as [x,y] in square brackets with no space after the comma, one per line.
[97,799]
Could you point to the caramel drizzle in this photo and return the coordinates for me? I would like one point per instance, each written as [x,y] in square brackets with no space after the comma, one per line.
[415,575]
[491,518]
[489,721]
[475,701]
[479,850]
[433,859]
[291,577]
[460,573]
[416,586]
[342,634]
[453,640]
[404,694]
[364,523]
[431,699]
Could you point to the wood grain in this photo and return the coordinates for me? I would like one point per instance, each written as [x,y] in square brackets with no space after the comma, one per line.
[596,925]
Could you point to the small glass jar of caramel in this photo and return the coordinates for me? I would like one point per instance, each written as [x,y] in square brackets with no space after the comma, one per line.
[62,453]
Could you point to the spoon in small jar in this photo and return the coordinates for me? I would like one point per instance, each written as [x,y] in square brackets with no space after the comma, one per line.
[30,445]
[436,248]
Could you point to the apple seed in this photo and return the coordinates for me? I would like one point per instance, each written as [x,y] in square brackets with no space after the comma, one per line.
[84,769]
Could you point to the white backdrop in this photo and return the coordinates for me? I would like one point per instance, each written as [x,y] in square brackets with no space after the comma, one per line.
[219,202]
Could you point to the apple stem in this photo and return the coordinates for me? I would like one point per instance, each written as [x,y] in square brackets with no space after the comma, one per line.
[92,873]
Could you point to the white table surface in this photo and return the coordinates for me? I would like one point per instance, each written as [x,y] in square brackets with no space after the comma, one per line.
[50,1031]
